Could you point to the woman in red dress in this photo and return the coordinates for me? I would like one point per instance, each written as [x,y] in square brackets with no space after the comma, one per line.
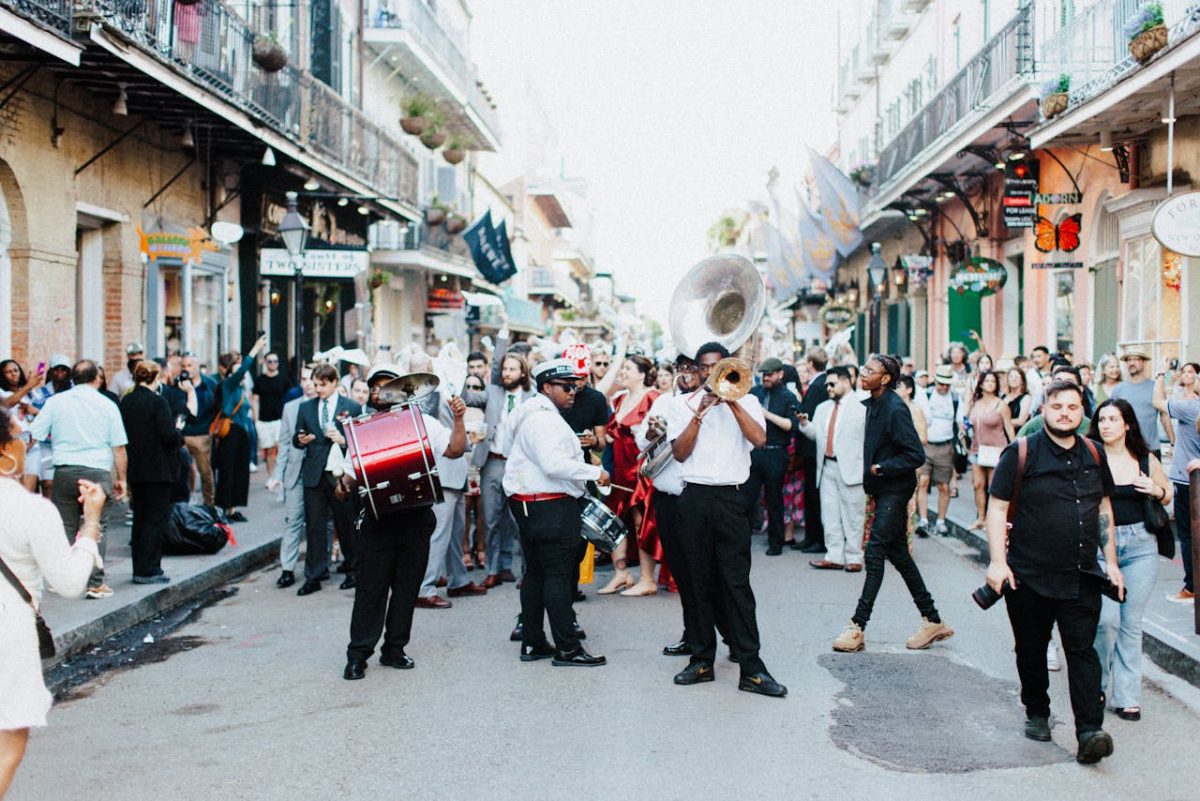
[636,379]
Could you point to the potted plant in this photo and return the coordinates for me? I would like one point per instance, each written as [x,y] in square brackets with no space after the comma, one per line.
[863,175]
[268,53]
[379,278]
[455,224]
[1056,95]
[416,110]
[435,215]
[456,149]
[434,137]
[1146,32]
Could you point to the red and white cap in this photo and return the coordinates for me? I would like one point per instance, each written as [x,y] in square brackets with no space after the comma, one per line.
[580,357]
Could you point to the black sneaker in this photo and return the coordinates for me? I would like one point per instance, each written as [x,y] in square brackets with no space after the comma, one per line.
[238,517]
[762,684]
[532,653]
[695,673]
[577,658]
[1093,747]
[1038,729]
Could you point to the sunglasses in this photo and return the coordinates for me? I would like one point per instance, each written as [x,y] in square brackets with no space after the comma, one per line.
[570,389]
[601,364]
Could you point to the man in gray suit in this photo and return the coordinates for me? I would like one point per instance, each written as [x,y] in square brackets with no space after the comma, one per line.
[287,476]
[509,388]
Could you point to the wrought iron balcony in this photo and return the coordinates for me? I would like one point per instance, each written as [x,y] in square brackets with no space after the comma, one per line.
[549,281]
[214,49]
[53,14]
[1005,64]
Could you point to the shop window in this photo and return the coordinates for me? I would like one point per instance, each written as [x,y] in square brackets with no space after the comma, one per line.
[1150,302]
[204,327]
[1064,311]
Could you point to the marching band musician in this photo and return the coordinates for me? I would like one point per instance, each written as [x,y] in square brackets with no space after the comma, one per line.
[544,480]
[712,440]
[393,555]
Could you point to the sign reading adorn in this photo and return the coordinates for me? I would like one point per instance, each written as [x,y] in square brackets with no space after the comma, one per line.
[1058,199]
[837,315]
[1020,193]
[1176,224]
[1057,265]
[980,275]
[314,263]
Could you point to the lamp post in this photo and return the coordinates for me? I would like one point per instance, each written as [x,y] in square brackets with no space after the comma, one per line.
[294,232]
[877,271]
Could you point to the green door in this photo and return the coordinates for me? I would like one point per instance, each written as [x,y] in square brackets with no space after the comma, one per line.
[1104,309]
[898,329]
[965,315]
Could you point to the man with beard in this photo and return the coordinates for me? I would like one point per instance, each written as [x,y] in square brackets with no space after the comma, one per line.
[1055,487]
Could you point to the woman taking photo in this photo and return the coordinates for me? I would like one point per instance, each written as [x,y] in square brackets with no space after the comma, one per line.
[1016,397]
[154,465]
[35,551]
[993,427]
[14,389]
[1136,475]
[231,457]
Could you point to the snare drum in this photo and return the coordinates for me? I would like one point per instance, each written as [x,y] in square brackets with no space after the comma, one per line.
[393,461]
[600,526]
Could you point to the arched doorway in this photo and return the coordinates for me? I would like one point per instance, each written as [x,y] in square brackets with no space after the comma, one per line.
[6,278]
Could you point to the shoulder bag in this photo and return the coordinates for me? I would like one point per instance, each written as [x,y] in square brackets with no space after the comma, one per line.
[45,638]
[219,428]
[1157,521]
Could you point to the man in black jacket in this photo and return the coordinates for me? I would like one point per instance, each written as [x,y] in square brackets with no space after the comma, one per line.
[814,531]
[892,453]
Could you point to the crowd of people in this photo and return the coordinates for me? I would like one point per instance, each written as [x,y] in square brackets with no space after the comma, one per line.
[828,457]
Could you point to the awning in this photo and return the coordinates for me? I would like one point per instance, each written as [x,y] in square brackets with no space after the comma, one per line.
[36,36]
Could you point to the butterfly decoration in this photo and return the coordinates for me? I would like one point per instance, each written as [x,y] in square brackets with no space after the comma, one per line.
[1064,236]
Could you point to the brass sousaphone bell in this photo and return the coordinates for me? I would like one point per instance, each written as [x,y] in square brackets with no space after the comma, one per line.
[407,389]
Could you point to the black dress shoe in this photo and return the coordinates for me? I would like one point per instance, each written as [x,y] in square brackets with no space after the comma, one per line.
[308,588]
[695,673]
[532,653]
[774,550]
[399,661]
[286,579]
[762,684]
[580,634]
[680,648]
[1093,747]
[795,545]
[812,547]
[579,597]
[1038,729]
[238,517]
[518,632]
[350,583]
[577,658]
[355,669]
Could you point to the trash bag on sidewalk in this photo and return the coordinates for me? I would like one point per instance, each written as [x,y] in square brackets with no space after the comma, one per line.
[196,529]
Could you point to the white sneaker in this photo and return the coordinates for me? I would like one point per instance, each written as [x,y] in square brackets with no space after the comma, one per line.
[1052,657]
[940,528]
[253,467]
[1182,597]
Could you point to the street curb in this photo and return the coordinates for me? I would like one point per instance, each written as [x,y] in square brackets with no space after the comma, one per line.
[73,642]
[1156,643]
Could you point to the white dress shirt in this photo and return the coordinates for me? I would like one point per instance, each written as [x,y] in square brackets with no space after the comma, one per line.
[502,442]
[722,453]
[669,480]
[544,456]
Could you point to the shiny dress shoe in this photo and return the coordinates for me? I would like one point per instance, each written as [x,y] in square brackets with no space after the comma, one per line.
[1093,747]
[825,564]
[854,567]
[762,684]
[470,588]
[580,634]
[286,579]
[398,661]
[433,602]
[695,673]
[507,576]
[350,583]
[680,648]
[532,653]
[1038,729]
[518,632]
[577,658]
[492,582]
[355,669]
[774,550]
[308,588]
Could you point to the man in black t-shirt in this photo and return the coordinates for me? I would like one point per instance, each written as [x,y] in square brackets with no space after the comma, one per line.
[270,387]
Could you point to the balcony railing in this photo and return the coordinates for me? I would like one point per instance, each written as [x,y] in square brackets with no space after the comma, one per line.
[1007,58]
[415,17]
[547,281]
[54,14]
[215,48]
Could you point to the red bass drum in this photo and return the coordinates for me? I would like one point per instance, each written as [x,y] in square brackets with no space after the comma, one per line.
[393,461]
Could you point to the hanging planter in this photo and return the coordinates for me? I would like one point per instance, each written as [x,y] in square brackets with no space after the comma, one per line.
[379,278]
[1146,32]
[417,113]
[435,215]
[268,54]
[456,149]
[434,137]
[1056,96]
[456,224]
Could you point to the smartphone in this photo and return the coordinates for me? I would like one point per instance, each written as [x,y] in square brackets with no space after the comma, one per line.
[180,419]
[41,368]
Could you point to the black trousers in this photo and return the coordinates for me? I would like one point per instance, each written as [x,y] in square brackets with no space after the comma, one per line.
[715,536]
[319,505]
[1033,617]
[814,530]
[889,542]
[392,558]
[151,505]
[231,463]
[768,466]
[549,532]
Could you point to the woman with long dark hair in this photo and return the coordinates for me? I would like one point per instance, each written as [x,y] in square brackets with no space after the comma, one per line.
[1017,398]
[992,423]
[14,388]
[1136,475]
[231,460]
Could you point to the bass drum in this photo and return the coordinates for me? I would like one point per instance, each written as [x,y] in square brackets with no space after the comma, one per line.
[393,461]
[600,526]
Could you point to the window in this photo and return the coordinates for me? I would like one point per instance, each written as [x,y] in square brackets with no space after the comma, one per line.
[1151,311]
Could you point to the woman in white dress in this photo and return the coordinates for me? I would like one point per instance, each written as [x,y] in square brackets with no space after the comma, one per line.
[34,548]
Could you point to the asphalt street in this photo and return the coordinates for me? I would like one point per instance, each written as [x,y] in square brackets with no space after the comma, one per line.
[246,701]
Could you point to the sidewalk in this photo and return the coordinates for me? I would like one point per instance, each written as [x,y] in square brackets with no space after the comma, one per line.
[1169,637]
[80,624]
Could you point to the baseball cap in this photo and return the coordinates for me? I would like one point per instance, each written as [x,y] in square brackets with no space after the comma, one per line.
[555,370]
[944,375]
[58,360]
[770,365]
[921,374]
[134,347]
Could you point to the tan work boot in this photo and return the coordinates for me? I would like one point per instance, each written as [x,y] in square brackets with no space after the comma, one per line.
[850,640]
[928,634]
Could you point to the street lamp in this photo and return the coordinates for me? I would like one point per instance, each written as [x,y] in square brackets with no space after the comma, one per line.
[877,270]
[294,232]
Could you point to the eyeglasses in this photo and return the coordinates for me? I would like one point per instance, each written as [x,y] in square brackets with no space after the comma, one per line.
[475,386]
[570,389]
[272,361]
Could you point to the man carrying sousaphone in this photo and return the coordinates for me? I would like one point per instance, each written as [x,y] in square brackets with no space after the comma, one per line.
[544,479]
[713,432]
[394,550]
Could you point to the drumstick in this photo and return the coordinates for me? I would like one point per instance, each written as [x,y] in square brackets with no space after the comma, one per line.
[618,486]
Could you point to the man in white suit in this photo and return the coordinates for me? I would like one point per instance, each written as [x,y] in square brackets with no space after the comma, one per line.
[837,429]
[287,476]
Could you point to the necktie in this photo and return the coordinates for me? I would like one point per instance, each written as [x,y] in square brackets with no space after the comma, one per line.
[324,414]
[512,401]
[832,428]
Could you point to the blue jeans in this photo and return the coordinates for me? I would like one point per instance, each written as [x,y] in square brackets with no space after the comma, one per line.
[1119,635]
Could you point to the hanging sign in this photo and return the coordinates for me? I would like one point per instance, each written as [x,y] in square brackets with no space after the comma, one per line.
[1176,224]
[919,268]
[1056,265]
[980,275]
[314,263]
[1020,192]
[1058,199]
[189,246]
[837,315]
